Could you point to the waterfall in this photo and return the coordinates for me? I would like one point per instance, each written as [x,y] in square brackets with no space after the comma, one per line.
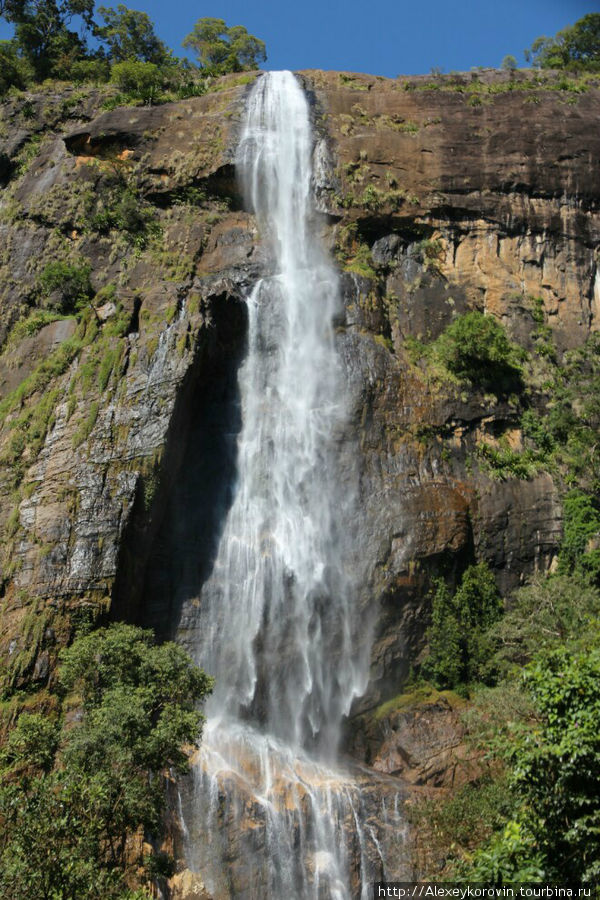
[272,813]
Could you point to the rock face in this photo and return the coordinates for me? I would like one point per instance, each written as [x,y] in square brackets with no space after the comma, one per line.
[418,738]
[435,199]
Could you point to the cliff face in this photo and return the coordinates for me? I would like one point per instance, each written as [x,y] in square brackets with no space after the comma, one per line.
[459,193]
[436,197]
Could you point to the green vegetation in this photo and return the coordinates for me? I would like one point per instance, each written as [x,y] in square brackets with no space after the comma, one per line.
[353,253]
[421,693]
[430,253]
[125,49]
[76,787]
[474,348]
[139,80]
[528,669]
[576,47]
[30,325]
[85,427]
[66,287]
[534,814]
[15,71]
[130,37]
[565,429]
[580,552]
[552,834]
[502,462]
[459,646]
[221,49]
[43,38]
[28,412]
[478,92]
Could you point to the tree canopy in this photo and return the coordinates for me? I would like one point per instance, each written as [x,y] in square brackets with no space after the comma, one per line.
[130,35]
[44,35]
[52,40]
[574,47]
[225,49]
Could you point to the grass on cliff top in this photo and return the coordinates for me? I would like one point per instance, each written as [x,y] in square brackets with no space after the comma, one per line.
[471,85]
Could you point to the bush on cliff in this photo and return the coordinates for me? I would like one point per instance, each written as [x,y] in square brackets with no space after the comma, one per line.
[476,347]
[74,791]
[65,286]
[139,80]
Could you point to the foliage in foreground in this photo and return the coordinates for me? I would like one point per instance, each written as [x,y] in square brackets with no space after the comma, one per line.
[553,766]
[537,816]
[75,789]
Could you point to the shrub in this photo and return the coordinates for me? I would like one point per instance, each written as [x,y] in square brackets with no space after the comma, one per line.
[476,347]
[121,208]
[502,462]
[66,286]
[90,70]
[142,80]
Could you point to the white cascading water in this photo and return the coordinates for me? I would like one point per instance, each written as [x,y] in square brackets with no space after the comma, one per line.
[279,626]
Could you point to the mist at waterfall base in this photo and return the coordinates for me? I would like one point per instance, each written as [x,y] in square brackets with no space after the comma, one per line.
[271,813]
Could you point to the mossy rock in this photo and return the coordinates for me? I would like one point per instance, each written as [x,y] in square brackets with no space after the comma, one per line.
[419,696]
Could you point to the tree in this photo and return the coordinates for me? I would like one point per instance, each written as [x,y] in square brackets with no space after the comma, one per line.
[14,70]
[581,528]
[72,793]
[576,46]
[458,645]
[130,35]
[43,35]
[546,613]
[222,49]
[509,63]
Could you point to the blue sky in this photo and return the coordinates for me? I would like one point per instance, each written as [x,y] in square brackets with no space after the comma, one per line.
[385,37]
